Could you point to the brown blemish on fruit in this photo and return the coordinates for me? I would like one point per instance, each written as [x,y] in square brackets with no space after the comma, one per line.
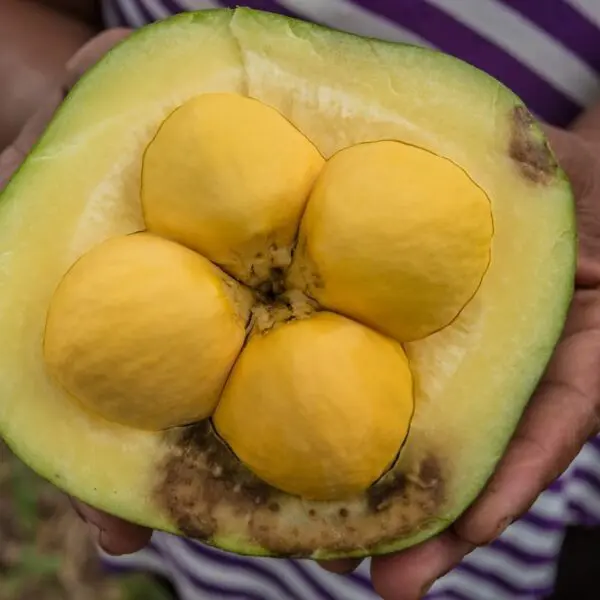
[303,273]
[207,493]
[430,475]
[274,286]
[200,473]
[429,471]
[266,271]
[289,306]
[529,150]
[391,486]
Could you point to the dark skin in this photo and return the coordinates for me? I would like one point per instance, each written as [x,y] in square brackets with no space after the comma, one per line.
[87,11]
[561,416]
[36,40]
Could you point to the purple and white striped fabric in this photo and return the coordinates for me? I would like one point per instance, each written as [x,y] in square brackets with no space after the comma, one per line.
[548,52]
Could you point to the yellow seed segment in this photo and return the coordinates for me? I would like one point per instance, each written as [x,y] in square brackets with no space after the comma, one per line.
[318,407]
[144,332]
[394,236]
[229,176]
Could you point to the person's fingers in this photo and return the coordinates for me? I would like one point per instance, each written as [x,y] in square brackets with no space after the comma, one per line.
[10,159]
[587,124]
[409,574]
[112,534]
[340,566]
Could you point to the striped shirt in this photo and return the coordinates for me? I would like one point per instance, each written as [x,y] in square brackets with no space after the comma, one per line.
[548,52]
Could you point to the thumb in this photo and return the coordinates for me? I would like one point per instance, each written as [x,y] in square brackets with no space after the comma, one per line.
[112,534]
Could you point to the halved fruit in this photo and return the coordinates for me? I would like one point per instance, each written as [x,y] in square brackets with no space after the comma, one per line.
[391,271]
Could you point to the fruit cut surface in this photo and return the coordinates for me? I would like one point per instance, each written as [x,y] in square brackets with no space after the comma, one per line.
[81,186]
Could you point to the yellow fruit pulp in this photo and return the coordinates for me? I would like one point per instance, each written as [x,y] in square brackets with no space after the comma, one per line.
[318,407]
[229,177]
[143,331]
[395,237]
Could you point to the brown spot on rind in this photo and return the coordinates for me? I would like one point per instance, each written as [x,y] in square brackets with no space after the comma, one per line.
[429,472]
[529,149]
[389,487]
[199,529]
[209,507]
[201,472]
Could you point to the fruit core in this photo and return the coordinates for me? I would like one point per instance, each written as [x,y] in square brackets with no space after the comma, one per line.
[272,292]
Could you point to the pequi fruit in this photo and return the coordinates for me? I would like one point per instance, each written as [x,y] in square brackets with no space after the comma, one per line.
[280,288]
[139,314]
[385,218]
[229,177]
[335,402]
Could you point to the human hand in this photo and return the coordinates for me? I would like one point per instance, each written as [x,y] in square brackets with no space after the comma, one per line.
[561,416]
